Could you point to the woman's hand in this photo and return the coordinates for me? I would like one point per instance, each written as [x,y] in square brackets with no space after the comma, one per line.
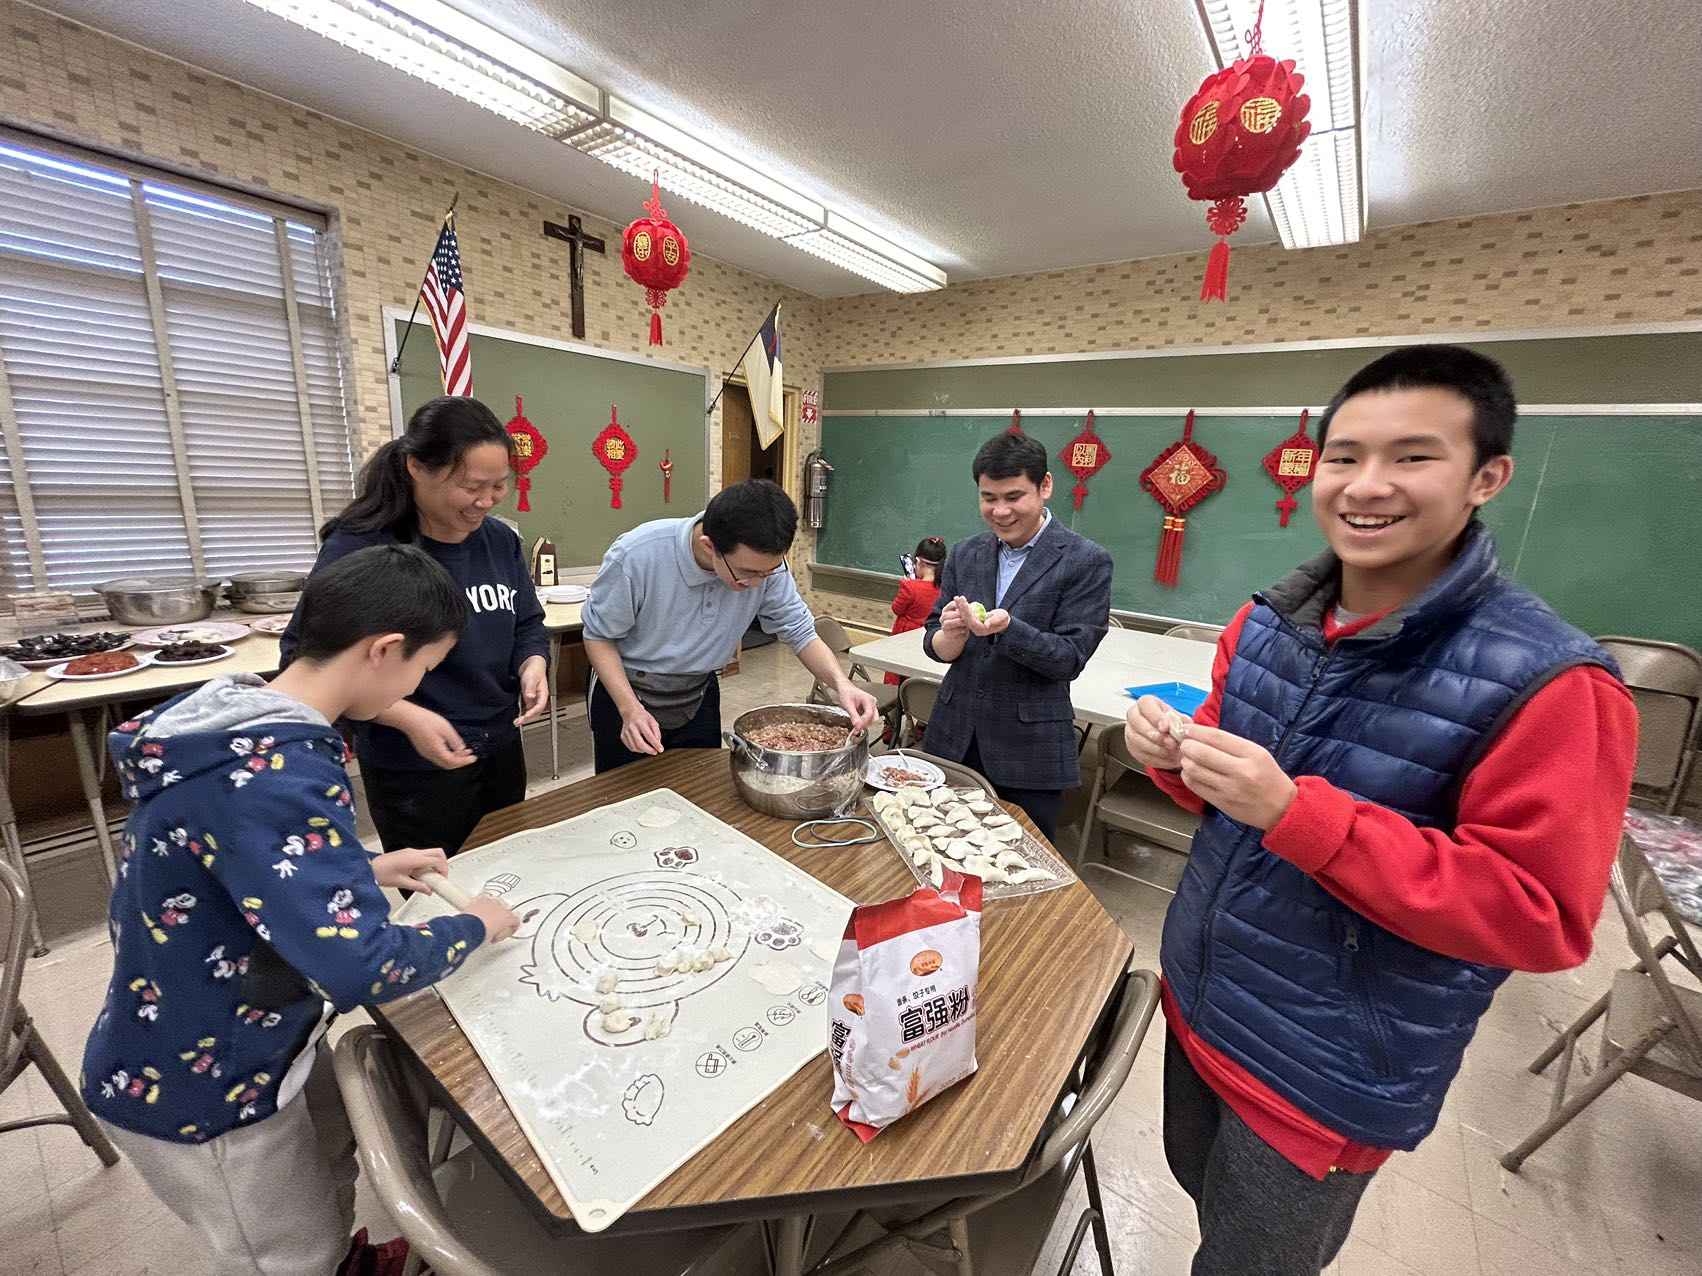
[534,689]
[435,740]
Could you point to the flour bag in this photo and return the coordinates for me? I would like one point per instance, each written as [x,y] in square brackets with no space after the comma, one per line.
[903,1002]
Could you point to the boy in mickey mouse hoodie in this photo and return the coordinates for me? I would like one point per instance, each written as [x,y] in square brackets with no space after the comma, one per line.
[247,914]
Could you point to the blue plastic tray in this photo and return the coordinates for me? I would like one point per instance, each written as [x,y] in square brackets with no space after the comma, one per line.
[1178,695]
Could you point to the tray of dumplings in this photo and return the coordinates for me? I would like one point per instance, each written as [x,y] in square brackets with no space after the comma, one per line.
[966,830]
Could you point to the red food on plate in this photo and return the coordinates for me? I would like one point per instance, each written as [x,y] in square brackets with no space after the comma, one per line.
[102,662]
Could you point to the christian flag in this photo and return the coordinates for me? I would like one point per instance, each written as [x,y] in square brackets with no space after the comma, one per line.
[762,374]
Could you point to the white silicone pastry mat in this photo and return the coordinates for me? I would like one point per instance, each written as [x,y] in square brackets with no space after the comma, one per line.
[1033,853]
[613,1111]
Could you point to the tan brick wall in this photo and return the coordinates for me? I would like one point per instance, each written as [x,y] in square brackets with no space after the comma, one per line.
[386,200]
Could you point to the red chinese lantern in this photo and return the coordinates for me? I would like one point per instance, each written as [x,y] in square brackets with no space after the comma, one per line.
[529,448]
[1239,134]
[655,254]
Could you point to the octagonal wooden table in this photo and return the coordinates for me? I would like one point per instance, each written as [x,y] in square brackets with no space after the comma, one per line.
[1049,964]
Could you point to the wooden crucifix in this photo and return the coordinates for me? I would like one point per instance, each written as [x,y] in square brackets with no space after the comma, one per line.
[574,234]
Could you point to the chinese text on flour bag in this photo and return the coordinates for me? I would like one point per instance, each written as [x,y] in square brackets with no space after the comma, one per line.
[903,1002]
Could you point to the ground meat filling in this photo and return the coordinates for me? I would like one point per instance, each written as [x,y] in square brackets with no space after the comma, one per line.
[797,737]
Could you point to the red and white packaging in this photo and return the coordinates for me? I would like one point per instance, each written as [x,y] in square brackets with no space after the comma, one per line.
[903,1002]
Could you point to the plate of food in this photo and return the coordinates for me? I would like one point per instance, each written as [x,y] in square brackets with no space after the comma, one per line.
[273,625]
[46,650]
[966,829]
[205,631]
[191,653]
[101,664]
[892,771]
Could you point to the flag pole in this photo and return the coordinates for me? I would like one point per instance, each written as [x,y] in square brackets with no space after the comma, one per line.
[740,362]
[448,220]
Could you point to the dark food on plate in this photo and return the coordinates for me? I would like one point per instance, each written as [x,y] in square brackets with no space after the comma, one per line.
[63,646]
[179,651]
[102,662]
[797,737]
[897,775]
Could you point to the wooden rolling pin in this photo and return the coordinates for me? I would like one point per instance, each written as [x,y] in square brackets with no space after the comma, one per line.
[455,897]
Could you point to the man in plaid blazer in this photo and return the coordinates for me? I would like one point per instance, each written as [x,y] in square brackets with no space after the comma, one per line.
[1004,708]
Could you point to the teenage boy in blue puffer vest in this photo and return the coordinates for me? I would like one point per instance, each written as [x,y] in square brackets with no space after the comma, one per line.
[1412,775]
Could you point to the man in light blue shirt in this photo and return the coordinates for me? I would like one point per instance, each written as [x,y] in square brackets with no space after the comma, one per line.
[668,608]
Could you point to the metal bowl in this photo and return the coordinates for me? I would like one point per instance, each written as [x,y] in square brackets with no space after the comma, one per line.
[796,786]
[265,602]
[272,582]
[158,600]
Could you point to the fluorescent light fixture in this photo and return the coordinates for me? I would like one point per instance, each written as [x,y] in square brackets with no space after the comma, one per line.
[858,249]
[448,50]
[641,144]
[1320,200]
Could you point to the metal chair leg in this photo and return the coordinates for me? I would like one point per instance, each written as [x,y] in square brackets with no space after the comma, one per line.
[82,1120]
[1096,1208]
[1561,1115]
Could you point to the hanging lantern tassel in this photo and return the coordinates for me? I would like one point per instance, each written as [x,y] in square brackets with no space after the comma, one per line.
[657,299]
[1179,478]
[1225,217]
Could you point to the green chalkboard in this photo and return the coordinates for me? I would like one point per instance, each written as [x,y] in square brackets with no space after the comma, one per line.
[1601,518]
[567,394]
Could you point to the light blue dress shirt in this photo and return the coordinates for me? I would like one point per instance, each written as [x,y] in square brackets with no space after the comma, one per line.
[1011,560]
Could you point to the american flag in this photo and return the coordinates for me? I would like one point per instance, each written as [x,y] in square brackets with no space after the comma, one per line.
[447,303]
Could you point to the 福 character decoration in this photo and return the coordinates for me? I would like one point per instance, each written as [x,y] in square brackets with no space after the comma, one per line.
[1085,455]
[1239,134]
[1292,463]
[666,465]
[530,447]
[655,254]
[1182,476]
[614,450]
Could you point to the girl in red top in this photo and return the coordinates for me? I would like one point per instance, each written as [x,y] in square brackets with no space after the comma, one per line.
[916,596]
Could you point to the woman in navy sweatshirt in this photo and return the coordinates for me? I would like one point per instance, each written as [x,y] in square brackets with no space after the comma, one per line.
[436,763]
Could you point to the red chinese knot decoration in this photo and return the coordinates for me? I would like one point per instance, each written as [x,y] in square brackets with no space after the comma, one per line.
[1015,427]
[1085,455]
[1292,463]
[1182,476]
[655,254]
[1239,134]
[529,448]
[614,450]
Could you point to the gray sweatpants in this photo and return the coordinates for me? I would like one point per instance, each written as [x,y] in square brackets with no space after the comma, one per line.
[276,1198]
[1260,1214]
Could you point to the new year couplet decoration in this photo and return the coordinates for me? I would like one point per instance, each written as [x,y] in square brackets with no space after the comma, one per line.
[666,465]
[1239,134]
[1292,463]
[614,450]
[655,254]
[1085,455]
[1183,475]
[529,448]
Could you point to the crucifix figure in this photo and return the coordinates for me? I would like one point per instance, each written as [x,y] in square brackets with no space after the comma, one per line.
[574,234]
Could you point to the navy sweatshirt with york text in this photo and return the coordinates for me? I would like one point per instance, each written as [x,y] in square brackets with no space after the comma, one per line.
[477,688]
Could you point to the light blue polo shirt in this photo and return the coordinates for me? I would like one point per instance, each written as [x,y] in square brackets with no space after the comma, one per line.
[665,614]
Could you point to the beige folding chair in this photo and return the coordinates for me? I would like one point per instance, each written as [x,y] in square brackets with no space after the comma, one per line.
[916,697]
[1002,1234]
[459,1214]
[1123,798]
[1654,1026]
[1115,623]
[20,1043]
[1665,679]
[838,642]
[1199,633]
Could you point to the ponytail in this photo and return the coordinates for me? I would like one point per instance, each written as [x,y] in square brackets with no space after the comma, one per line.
[440,433]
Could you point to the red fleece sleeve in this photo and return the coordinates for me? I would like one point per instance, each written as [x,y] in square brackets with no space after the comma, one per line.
[1208,714]
[1519,881]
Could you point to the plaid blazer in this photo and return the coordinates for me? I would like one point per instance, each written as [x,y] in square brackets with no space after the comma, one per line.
[1010,693]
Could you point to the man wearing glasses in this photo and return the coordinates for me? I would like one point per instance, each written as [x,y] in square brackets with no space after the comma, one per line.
[668,608]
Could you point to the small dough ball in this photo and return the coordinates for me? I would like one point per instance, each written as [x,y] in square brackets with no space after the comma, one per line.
[609,1004]
[608,981]
[585,932]
[721,954]
[618,1021]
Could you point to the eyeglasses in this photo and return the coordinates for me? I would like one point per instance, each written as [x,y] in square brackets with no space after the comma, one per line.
[749,578]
